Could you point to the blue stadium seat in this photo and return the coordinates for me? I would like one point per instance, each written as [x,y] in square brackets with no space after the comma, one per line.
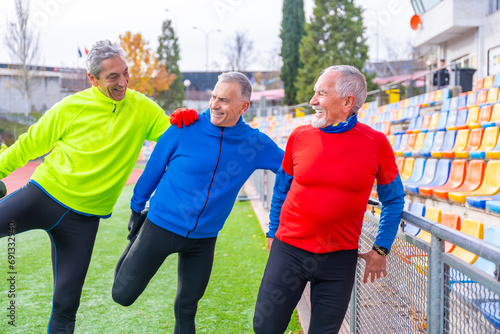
[418,170]
[480,201]
[443,119]
[418,209]
[448,143]
[440,178]
[425,151]
[493,206]
[491,310]
[427,177]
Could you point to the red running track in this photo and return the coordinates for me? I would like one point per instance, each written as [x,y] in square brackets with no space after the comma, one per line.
[22,175]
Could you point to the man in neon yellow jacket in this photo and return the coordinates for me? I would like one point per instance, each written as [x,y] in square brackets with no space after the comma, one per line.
[95,136]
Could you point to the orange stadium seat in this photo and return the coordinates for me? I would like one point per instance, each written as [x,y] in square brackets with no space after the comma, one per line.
[455,179]
[490,139]
[473,179]
[489,186]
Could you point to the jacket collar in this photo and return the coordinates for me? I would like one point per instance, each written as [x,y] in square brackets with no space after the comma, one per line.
[103,98]
[342,126]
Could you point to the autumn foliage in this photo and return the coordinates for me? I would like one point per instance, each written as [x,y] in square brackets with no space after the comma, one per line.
[147,74]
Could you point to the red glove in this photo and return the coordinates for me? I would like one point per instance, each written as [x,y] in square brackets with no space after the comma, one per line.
[183,116]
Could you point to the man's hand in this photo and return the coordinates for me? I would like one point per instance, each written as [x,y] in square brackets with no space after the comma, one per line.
[375,266]
[183,116]
[135,222]
[269,244]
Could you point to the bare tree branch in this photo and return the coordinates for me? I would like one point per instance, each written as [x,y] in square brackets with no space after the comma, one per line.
[22,44]
[239,52]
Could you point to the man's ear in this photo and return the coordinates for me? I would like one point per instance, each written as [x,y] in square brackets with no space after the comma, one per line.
[244,107]
[92,79]
[349,103]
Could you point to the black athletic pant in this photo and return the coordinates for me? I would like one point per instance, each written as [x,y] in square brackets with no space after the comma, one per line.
[72,236]
[287,272]
[144,255]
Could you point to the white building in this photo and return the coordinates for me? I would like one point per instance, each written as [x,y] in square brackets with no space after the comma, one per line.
[463,31]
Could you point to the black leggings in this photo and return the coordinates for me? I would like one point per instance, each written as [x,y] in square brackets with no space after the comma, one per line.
[144,255]
[72,236]
[287,272]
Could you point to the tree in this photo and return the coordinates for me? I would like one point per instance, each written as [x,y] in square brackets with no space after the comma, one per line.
[292,31]
[22,44]
[169,56]
[147,75]
[334,37]
[239,52]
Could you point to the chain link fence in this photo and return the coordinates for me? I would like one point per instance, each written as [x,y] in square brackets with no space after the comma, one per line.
[426,290]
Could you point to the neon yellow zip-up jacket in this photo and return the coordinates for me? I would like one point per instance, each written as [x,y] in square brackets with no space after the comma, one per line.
[95,143]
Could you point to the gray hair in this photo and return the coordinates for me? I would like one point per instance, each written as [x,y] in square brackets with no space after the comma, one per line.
[351,82]
[242,80]
[102,50]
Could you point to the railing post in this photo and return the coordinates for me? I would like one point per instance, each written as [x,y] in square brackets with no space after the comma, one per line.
[354,306]
[435,289]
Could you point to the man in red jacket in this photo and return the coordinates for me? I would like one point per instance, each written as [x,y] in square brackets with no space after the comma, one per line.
[319,201]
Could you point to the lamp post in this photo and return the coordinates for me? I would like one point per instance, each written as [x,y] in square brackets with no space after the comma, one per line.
[187,83]
[207,34]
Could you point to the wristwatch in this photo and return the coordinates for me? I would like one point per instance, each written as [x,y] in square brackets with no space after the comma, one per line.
[380,250]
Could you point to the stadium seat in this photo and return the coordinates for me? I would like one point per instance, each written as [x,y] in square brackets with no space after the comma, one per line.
[455,179]
[493,206]
[440,176]
[480,201]
[496,80]
[434,120]
[491,311]
[427,176]
[445,106]
[442,120]
[461,120]
[492,95]
[391,139]
[474,142]
[481,97]
[495,152]
[488,82]
[407,204]
[426,122]
[412,138]
[451,220]
[418,171]
[452,119]
[400,162]
[425,151]
[495,117]
[471,98]
[419,143]
[475,229]
[484,116]
[413,253]
[488,143]
[416,126]
[479,84]
[489,186]
[448,143]
[407,168]
[402,144]
[453,103]
[418,209]
[472,117]
[462,101]
[473,179]
[395,143]
[460,143]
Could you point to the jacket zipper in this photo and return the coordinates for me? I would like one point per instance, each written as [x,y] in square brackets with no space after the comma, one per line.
[211,182]
[111,121]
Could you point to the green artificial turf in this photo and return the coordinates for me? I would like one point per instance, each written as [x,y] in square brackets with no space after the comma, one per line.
[227,306]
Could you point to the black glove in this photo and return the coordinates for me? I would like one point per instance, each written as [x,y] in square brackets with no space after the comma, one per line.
[135,222]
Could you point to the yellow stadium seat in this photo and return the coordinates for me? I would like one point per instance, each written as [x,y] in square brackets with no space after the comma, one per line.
[489,186]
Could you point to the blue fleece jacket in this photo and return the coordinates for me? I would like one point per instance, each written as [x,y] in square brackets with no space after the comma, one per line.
[197,173]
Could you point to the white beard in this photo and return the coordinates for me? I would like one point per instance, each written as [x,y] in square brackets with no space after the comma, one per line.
[319,122]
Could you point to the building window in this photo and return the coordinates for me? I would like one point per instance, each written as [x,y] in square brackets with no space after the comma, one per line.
[422,6]
[494,6]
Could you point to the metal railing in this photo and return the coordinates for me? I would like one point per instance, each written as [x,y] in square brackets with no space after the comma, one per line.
[423,295]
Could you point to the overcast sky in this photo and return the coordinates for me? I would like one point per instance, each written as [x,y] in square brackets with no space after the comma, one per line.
[66,25]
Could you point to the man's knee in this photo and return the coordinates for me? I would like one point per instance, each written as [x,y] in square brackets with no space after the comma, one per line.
[121,291]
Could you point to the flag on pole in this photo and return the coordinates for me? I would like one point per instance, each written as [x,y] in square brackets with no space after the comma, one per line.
[79,53]
[86,51]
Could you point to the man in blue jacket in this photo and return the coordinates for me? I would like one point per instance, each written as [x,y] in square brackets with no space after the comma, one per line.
[213,158]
